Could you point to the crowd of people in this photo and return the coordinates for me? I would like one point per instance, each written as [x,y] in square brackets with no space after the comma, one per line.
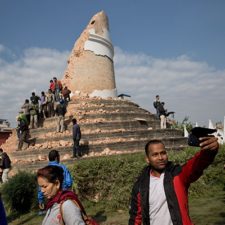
[159,195]
[37,108]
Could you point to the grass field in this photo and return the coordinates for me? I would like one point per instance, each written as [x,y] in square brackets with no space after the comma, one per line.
[204,211]
[206,200]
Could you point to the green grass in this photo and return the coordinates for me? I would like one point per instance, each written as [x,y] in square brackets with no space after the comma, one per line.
[203,210]
[206,200]
[31,218]
[208,210]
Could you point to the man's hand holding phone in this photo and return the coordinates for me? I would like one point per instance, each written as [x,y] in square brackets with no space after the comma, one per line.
[202,137]
[209,143]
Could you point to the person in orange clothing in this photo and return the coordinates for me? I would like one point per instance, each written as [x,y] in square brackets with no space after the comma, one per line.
[57,88]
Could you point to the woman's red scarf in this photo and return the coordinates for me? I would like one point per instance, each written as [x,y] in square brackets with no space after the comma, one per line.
[62,196]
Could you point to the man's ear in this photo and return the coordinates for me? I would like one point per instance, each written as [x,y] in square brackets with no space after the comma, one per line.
[147,160]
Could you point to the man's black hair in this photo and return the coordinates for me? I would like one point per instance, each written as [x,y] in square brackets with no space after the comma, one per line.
[33,93]
[53,155]
[27,100]
[157,96]
[74,120]
[51,81]
[152,142]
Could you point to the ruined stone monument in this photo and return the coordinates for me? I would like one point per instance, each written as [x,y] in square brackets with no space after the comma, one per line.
[109,125]
[90,65]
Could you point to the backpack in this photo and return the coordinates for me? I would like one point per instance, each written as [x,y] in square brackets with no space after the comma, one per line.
[87,219]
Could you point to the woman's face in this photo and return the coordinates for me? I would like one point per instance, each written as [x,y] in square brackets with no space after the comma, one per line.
[49,189]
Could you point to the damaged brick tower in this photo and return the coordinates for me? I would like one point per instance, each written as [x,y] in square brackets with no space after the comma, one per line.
[90,66]
[109,125]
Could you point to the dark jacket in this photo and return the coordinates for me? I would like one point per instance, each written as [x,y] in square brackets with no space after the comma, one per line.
[23,125]
[60,110]
[6,162]
[34,99]
[176,183]
[161,109]
[76,132]
[156,104]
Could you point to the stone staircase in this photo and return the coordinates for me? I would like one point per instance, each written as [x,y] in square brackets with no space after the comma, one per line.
[108,126]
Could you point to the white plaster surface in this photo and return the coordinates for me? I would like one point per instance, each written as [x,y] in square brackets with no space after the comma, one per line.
[104,93]
[100,45]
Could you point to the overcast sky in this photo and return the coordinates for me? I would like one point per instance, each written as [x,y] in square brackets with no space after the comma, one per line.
[172,48]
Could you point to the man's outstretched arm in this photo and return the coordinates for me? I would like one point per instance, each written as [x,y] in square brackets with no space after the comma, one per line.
[194,167]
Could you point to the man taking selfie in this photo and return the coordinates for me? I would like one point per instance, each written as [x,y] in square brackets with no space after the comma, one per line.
[160,194]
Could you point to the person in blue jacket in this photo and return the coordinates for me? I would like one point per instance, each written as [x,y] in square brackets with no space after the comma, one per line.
[54,160]
[3,220]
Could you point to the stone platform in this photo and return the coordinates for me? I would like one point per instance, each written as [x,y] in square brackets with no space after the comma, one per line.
[108,126]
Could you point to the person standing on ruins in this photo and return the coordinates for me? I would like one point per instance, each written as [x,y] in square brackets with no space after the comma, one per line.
[23,133]
[76,139]
[156,104]
[57,88]
[34,116]
[52,86]
[66,94]
[34,99]
[5,164]
[160,194]
[60,112]
[43,105]
[34,110]
[50,103]
[162,115]
[54,160]
[26,110]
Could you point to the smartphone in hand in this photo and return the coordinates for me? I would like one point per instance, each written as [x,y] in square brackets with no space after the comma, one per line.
[196,133]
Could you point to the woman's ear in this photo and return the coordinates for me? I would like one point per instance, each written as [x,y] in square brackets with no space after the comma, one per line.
[57,182]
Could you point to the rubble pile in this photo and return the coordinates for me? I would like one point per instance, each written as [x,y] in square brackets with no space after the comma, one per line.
[106,130]
[11,143]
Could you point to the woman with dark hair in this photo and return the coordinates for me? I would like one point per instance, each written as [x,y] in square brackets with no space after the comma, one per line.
[63,207]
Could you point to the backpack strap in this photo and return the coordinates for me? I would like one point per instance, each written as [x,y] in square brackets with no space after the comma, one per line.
[83,213]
